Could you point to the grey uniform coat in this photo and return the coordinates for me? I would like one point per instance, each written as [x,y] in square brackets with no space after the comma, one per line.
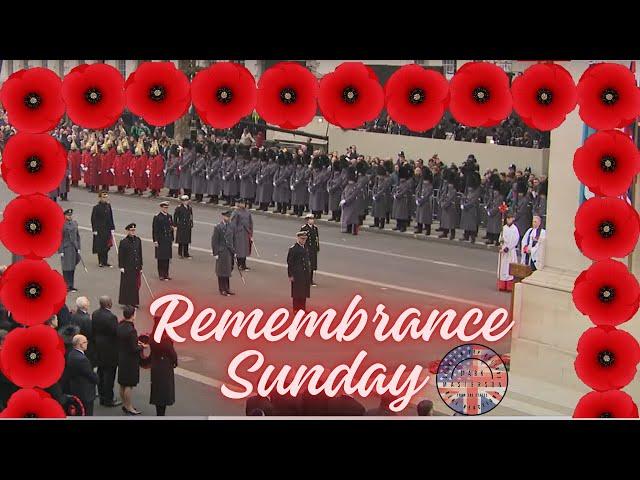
[381,193]
[424,198]
[172,178]
[523,212]
[248,175]
[264,182]
[199,175]
[494,217]
[222,247]
[318,189]
[363,193]
[350,214]
[448,210]
[242,223]
[470,204]
[188,157]
[214,181]
[70,246]
[282,179]
[401,197]
[335,185]
[230,177]
[299,184]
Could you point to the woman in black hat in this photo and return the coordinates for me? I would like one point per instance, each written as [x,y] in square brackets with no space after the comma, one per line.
[164,360]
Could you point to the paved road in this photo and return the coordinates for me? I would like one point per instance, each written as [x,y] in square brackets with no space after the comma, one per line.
[397,272]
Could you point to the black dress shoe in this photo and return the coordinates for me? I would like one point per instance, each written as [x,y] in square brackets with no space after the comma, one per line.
[230,292]
[224,294]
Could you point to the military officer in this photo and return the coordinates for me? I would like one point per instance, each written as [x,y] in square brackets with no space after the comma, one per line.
[69,249]
[222,249]
[312,244]
[130,264]
[103,228]
[183,220]
[299,272]
[163,236]
[242,223]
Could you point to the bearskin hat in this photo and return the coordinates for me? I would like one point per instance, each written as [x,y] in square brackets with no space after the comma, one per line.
[351,174]
[199,148]
[173,150]
[253,152]
[281,158]
[225,148]
[380,170]
[186,143]
[473,180]
[388,165]
[521,185]
[543,187]
[297,159]
[315,163]
[344,162]
[324,161]
[404,172]
[427,174]
[361,167]
[263,156]
[336,166]
[495,182]
[271,155]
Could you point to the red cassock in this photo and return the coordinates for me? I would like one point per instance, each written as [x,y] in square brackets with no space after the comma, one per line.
[86,163]
[107,169]
[75,158]
[127,165]
[141,178]
[156,172]
[121,171]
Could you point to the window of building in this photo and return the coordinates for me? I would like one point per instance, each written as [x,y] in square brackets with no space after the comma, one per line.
[122,66]
[449,66]
[61,68]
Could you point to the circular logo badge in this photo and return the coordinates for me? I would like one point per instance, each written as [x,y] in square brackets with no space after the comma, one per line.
[472,379]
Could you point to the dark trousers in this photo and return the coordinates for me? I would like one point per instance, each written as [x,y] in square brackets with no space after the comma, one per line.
[242,262]
[223,284]
[199,197]
[183,249]
[299,304]
[103,257]
[106,380]
[88,408]
[160,410]
[68,278]
[163,268]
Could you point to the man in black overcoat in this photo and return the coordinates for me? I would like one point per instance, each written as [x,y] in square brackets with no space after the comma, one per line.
[80,377]
[183,220]
[163,235]
[103,227]
[223,251]
[312,244]
[105,325]
[130,264]
[299,272]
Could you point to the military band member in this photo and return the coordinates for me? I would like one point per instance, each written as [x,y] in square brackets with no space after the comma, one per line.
[299,184]
[318,185]
[248,174]
[533,245]
[448,211]
[163,236]
[183,220]
[222,249]
[349,218]
[282,181]
[242,223]
[103,227]
[401,198]
[69,249]
[424,200]
[470,205]
[230,176]
[199,173]
[299,272]
[382,187]
[312,244]
[172,179]
[214,177]
[187,157]
[508,248]
[155,166]
[335,185]
[130,264]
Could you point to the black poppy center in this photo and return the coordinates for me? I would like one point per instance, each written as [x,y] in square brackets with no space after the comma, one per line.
[544,96]
[609,96]
[606,294]
[33,164]
[287,96]
[608,163]
[30,415]
[350,95]
[33,290]
[224,95]
[33,226]
[157,93]
[32,100]
[606,358]
[607,229]
[606,415]
[417,96]
[32,355]
[93,96]
[481,94]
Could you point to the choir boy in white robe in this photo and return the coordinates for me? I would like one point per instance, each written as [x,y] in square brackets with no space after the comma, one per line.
[508,254]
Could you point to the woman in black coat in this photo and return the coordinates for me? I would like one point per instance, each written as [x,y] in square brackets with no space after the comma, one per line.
[163,360]
[129,349]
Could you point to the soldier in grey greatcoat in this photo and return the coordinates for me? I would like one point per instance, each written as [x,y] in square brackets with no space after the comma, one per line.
[172,178]
[318,185]
[187,158]
[401,198]
[350,219]
[335,185]
[63,188]
[448,210]
[494,216]
[382,187]
[264,180]
[299,185]
[424,200]
[242,224]
[282,181]
[69,249]
[223,251]
[522,207]
[247,177]
[214,175]
[363,189]
[470,205]
[230,188]
[199,173]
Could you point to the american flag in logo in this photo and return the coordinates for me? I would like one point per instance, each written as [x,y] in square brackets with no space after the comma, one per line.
[472,379]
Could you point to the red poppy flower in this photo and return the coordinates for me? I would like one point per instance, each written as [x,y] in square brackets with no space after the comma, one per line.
[608,96]
[607,358]
[287,95]
[94,95]
[33,163]
[33,100]
[543,96]
[606,227]
[607,163]
[607,293]
[158,92]
[416,97]
[32,403]
[609,404]
[223,93]
[480,95]
[32,226]
[33,357]
[32,291]
[351,95]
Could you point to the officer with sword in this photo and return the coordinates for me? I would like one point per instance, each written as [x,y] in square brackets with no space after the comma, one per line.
[69,249]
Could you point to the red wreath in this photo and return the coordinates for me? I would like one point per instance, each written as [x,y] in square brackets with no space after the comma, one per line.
[607,163]
[33,163]
[287,95]
[32,403]
[223,94]
[480,95]
[607,358]
[606,227]
[350,95]
[33,357]
[32,226]
[94,95]
[608,96]
[607,293]
[32,291]
[158,92]
[609,404]
[543,96]
[32,99]
[416,97]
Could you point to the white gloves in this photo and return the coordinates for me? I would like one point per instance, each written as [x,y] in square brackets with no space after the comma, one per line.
[62,254]
[342,202]
[122,270]
[95,233]
[292,188]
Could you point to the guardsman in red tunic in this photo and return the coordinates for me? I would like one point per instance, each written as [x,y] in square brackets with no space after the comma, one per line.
[108,172]
[85,161]
[121,174]
[156,169]
[75,158]
[127,165]
[140,171]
